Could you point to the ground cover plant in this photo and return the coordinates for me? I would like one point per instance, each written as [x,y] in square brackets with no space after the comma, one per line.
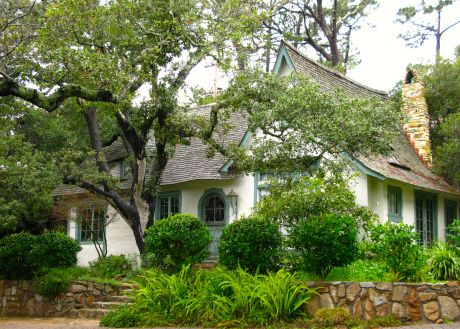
[218,297]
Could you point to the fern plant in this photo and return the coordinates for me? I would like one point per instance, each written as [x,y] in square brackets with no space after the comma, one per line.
[443,262]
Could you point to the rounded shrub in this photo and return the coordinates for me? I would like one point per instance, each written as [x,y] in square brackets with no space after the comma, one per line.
[23,254]
[112,266]
[15,250]
[396,246]
[175,241]
[54,250]
[325,242]
[253,243]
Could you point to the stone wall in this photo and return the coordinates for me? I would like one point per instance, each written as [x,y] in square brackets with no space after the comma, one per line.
[409,302]
[19,298]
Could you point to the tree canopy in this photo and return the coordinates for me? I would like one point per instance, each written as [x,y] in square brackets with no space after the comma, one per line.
[76,75]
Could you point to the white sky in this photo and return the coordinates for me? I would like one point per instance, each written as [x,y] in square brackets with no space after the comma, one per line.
[384,57]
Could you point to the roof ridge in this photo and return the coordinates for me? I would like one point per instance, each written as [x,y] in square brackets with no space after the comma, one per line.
[332,70]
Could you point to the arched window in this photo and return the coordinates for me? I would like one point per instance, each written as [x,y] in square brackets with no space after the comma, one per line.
[214,209]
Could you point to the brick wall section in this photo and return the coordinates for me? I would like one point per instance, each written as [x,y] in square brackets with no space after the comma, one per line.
[410,302]
[19,298]
[416,122]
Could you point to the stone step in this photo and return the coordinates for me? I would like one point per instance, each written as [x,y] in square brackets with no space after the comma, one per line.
[116,298]
[92,313]
[107,305]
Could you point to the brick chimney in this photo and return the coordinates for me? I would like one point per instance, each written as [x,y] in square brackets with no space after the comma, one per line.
[416,121]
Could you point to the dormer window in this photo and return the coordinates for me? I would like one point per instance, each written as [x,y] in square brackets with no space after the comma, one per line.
[125,169]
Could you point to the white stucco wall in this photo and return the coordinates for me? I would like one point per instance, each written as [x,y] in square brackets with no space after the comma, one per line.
[378,202]
[191,192]
[120,239]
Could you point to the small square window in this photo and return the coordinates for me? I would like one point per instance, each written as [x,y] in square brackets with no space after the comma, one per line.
[395,203]
[168,204]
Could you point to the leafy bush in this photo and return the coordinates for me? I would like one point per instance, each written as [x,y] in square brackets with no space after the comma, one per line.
[453,236]
[396,246]
[359,271]
[299,200]
[52,282]
[252,243]
[23,254]
[15,250]
[176,241]
[54,250]
[214,298]
[443,263]
[325,242]
[112,266]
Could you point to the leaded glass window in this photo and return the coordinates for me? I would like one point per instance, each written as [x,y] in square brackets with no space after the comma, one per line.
[214,209]
[92,225]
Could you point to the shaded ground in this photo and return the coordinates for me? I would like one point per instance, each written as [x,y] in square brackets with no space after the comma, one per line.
[63,323]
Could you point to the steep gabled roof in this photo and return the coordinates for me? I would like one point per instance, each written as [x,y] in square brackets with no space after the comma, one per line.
[189,162]
[402,164]
[328,78]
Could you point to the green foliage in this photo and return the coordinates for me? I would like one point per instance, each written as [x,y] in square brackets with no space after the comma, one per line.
[442,94]
[112,266]
[447,152]
[252,243]
[27,183]
[52,282]
[54,250]
[325,242]
[215,298]
[341,318]
[359,271]
[299,200]
[15,250]
[301,123]
[176,241]
[443,262]
[327,318]
[128,316]
[396,246]
[22,254]
[453,235]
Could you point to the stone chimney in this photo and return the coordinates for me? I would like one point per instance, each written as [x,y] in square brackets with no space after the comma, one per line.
[416,121]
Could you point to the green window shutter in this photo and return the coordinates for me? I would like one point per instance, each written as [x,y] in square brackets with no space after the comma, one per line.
[395,204]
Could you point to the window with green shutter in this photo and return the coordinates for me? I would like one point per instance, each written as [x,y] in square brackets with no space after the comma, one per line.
[395,204]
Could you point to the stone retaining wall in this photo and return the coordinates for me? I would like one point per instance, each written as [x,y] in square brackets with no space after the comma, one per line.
[19,298]
[409,302]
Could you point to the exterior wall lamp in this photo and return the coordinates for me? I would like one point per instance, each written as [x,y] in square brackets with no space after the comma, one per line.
[233,198]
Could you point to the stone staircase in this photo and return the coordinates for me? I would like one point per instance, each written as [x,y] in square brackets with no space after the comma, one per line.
[101,305]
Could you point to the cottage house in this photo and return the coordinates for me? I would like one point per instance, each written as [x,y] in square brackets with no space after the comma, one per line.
[398,187]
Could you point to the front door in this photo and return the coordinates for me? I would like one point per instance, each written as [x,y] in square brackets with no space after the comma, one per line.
[214,212]
[425,217]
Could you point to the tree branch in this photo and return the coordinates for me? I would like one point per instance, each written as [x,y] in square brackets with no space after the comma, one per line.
[9,87]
